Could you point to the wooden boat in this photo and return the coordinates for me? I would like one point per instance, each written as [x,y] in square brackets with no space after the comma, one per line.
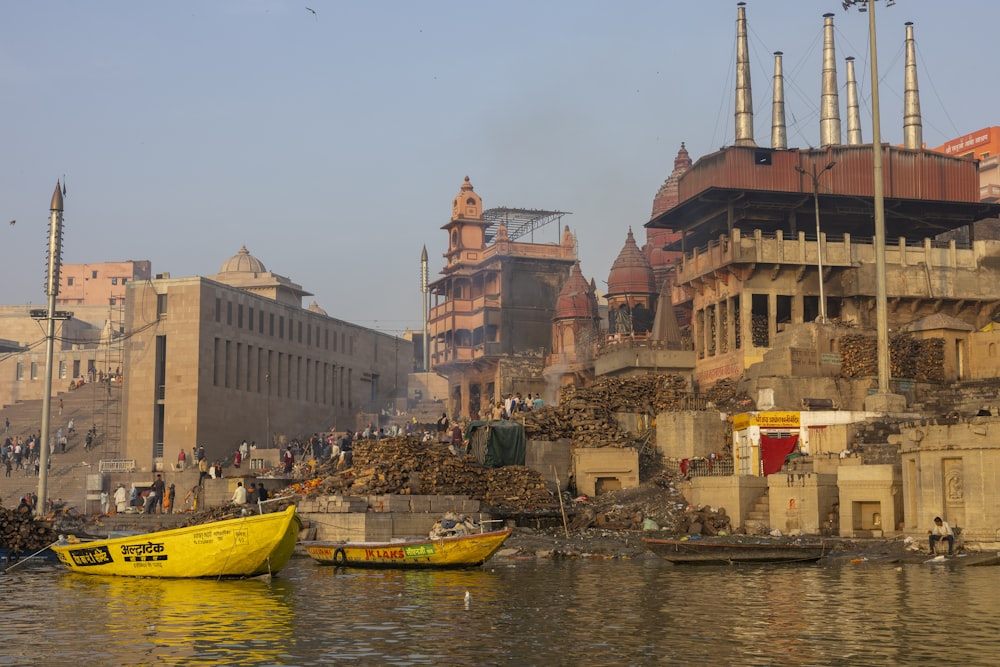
[732,551]
[247,546]
[458,551]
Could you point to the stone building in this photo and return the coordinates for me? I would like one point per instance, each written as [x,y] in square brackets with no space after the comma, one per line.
[491,313]
[212,361]
[575,329]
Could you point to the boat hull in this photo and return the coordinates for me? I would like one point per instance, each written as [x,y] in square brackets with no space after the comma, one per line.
[706,552]
[244,547]
[448,552]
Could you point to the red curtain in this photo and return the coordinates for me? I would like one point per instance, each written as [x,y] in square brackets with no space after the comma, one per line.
[773,451]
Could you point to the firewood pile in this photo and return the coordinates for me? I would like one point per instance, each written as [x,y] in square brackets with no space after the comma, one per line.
[20,533]
[917,359]
[586,415]
[405,465]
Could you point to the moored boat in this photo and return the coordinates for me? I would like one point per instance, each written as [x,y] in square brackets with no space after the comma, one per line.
[707,551]
[247,546]
[446,552]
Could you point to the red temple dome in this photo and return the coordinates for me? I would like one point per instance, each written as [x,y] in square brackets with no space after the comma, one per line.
[576,300]
[631,272]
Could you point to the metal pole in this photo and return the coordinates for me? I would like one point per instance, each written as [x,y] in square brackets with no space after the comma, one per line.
[819,249]
[52,289]
[819,239]
[426,309]
[881,303]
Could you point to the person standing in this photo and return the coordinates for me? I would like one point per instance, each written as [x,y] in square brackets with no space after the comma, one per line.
[202,469]
[159,488]
[121,499]
[192,496]
[60,407]
[941,532]
[181,459]
[104,502]
[168,500]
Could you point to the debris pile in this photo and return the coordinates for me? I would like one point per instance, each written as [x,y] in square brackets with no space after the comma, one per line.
[704,521]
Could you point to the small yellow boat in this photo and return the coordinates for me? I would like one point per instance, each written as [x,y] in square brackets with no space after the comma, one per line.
[244,547]
[445,552]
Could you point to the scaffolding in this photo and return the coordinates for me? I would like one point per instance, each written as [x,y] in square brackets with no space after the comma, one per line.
[106,389]
[519,221]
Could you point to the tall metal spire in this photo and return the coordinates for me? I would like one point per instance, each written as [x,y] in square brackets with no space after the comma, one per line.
[829,115]
[779,139]
[913,131]
[52,290]
[744,96]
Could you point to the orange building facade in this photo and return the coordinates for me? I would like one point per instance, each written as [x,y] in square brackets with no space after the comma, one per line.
[99,284]
[984,146]
[491,311]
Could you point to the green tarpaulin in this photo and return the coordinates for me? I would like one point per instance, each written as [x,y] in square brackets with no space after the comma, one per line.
[497,444]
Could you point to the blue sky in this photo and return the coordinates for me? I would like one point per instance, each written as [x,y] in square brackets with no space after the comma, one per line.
[331,144]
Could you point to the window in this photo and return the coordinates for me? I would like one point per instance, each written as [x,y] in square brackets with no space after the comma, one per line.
[69,281]
[114,281]
[229,313]
[19,371]
[239,316]
[34,370]
[124,280]
[218,309]
[93,274]
[161,304]
[62,369]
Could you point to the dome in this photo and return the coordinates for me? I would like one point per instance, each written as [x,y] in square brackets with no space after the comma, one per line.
[315,308]
[575,299]
[631,272]
[243,262]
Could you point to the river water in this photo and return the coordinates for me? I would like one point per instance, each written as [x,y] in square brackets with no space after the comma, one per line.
[579,612]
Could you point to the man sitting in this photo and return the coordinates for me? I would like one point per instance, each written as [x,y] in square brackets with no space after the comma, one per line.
[942,533]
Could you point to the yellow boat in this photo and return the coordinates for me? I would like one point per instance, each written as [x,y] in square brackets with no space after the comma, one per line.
[244,547]
[459,551]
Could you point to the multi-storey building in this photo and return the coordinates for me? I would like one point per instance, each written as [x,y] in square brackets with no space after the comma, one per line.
[210,361]
[491,314]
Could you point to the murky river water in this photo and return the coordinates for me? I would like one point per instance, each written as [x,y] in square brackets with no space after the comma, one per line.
[642,612]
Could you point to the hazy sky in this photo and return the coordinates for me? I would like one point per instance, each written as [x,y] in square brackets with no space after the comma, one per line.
[332,143]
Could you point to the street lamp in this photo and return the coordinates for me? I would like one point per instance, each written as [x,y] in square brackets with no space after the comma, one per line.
[819,242]
[881,303]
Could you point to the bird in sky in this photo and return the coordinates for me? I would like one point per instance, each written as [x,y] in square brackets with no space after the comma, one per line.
[13,222]
[313,12]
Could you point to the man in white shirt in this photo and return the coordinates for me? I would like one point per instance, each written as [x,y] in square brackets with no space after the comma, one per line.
[942,533]
[240,494]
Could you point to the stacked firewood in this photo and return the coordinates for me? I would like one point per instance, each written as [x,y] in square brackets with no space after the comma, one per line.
[645,393]
[515,487]
[406,465]
[586,415]
[20,533]
[917,359]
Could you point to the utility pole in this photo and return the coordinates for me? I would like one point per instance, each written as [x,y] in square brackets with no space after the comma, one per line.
[819,238]
[881,302]
[425,308]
